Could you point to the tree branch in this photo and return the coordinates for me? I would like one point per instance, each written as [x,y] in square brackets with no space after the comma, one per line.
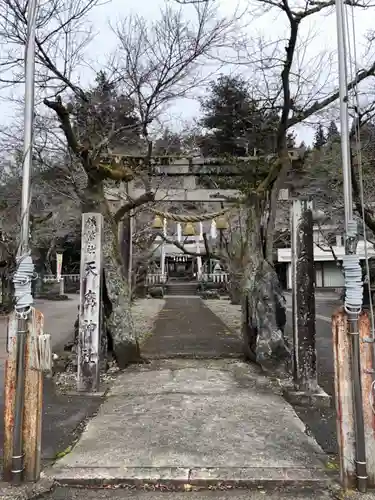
[368,215]
[144,198]
[187,2]
[330,249]
[283,161]
[285,76]
[318,106]
[206,245]
[65,123]
[40,220]
[181,247]
[318,6]
[82,153]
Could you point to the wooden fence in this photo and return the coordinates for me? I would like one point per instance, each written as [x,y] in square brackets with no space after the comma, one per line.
[155,279]
[214,277]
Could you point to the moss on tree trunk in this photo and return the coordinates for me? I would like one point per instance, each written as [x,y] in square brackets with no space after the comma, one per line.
[263,307]
[235,287]
[118,317]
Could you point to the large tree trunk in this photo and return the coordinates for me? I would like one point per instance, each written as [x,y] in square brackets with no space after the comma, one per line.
[125,243]
[47,263]
[235,287]
[263,307]
[117,307]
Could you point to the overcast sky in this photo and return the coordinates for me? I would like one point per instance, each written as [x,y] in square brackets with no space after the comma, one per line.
[321,29]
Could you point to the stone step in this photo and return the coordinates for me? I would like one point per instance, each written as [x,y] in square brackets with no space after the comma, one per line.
[178,289]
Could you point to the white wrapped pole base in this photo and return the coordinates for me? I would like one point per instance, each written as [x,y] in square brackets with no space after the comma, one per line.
[22,285]
[353,284]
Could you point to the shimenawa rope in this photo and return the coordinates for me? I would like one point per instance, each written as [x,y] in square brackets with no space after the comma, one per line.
[190,218]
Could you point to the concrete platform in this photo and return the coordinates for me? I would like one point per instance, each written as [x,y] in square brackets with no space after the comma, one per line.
[195,422]
[123,494]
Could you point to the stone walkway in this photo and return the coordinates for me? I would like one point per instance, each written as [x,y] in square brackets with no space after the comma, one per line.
[200,422]
[187,328]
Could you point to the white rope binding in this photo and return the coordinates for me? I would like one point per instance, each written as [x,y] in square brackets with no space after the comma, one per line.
[22,285]
[353,284]
[353,276]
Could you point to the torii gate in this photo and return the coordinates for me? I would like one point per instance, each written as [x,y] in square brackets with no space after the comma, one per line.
[190,170]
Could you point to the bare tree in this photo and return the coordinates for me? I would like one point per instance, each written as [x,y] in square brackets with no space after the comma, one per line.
[322,174]
[63,32]
[52,218]
[187,2]
[282,85]
[155,64]
[162,61]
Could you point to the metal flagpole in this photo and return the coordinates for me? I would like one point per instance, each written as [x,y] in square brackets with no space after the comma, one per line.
[351,264]
[344,112]
[25,269]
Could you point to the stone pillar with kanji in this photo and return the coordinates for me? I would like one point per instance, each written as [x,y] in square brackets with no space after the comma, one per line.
[89,337]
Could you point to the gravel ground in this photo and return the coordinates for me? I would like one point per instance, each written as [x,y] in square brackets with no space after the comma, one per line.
[145,312]
[229,314]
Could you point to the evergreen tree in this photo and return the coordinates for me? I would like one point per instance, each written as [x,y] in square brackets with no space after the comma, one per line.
[226,111]
[107,114]
[320,138]
[236,124]
[333,133]
[168,144]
